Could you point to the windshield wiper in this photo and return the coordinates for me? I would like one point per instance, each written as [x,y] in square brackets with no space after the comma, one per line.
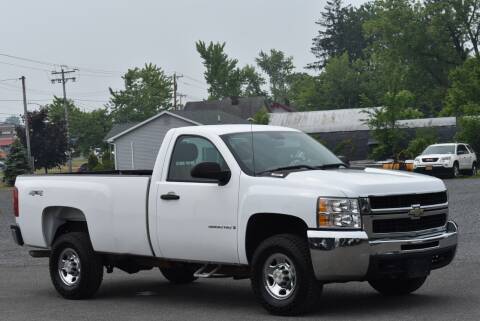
[333,165]
[285,168]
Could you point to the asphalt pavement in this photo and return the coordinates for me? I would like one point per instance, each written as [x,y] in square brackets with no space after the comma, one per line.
[451,293]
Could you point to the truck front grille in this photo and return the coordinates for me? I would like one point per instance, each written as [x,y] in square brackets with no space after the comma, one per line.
[429,160]
[407,200]
[398,225]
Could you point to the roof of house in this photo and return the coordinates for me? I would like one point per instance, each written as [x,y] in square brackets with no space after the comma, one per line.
[243,107]
[207,117]
[6,141]
[344,120]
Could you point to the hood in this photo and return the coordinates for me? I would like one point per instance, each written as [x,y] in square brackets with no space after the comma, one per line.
[434,155]
[367,182]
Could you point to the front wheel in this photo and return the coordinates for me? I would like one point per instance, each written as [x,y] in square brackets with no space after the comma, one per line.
[401,286]
[474,169]
[455,170]
[75,269]
[282,277]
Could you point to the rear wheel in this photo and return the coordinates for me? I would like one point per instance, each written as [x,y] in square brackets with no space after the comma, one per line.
[181,274]
[282,277]
[401,286]
[75,269]
[474,170]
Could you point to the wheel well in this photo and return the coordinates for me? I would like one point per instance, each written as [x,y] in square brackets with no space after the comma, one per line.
[263,226]
[58,220]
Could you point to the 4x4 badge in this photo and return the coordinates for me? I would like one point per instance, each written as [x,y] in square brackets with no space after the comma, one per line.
[416,211]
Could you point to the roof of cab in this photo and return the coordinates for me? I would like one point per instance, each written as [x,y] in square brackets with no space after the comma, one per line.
[230,129]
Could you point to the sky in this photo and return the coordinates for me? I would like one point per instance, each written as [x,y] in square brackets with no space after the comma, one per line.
[103,38]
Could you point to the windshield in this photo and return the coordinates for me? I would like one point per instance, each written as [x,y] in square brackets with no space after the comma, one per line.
[439,149]
[275,149]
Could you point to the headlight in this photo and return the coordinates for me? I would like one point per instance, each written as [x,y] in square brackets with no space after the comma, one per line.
[417,160]
[338,213]
[446,158]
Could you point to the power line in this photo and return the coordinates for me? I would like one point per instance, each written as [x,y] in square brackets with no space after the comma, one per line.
[22,66]
[45,63]
[192,85]
[9,79]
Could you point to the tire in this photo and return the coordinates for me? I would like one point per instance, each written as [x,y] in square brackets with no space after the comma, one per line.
[82,273]
[287,258]
[397,287]
[474,169]
[455,170]
[179,274]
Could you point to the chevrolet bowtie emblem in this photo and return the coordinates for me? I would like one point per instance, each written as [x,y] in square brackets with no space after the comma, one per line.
[416,212]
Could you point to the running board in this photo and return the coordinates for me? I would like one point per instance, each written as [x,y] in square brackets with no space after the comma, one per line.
[209,271]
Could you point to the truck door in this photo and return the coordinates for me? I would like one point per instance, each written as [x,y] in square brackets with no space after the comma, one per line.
[197,218]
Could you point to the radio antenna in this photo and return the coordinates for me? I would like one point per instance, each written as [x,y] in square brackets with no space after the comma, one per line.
[253,148]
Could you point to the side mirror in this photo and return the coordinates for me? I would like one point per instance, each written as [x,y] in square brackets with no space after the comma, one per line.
[211,170]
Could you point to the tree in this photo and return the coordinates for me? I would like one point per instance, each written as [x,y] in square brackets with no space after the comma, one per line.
[463,97]
[304,92]
[147,92]
[423,138]
[279,68]
[340,32]
[13,120]
[87,129]
[411,51]
[16,163]
[96,125]
[469,131]
[385,126]
[252,82]
[339,84]
[222,75]
[460,20]
[47,139]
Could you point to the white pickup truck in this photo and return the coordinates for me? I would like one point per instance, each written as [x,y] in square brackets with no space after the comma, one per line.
[260,202]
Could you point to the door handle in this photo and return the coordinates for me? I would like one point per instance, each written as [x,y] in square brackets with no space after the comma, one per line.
[170,196]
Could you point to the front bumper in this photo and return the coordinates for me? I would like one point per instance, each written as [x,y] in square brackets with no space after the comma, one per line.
[351,256]
[435,169]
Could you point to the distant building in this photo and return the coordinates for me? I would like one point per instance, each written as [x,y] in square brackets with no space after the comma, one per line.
[344,130]
[243,107]
[7,137]
[136,144]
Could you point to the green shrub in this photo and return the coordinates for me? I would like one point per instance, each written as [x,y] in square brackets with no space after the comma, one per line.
[16,163]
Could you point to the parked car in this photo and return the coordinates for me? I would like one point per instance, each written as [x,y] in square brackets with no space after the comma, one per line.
[447,159]
[261,202]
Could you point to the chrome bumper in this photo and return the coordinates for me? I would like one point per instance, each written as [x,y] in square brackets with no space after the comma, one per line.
[350,255]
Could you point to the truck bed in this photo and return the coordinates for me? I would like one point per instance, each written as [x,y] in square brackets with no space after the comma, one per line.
[113,201]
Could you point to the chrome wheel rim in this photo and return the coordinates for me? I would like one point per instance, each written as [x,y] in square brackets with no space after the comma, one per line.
[456,171]
[474,170]
[279,276]
[69,267]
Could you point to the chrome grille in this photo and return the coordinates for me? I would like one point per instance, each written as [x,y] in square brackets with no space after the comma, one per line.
[405,215]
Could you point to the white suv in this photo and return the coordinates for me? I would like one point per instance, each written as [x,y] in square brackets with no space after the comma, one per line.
[447,159]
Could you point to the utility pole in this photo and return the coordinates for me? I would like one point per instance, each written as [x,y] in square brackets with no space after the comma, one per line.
[175,88]
[63,80]
[27,126]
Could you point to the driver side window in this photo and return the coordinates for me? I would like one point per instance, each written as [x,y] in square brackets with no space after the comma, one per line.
[188,152]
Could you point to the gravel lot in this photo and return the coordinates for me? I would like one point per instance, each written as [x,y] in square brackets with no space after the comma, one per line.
[452,293]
